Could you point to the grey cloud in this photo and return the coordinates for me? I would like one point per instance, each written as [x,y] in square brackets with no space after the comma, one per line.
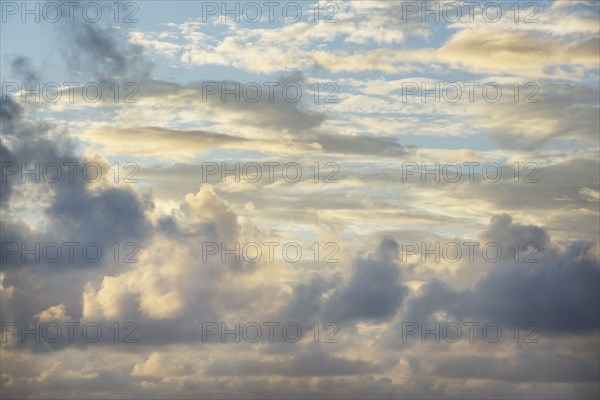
[557,186]
[11,112]
[100,50]
[113,214]
[367,145]
[100,383]
[74,213]
[5,186]
[373,291]
[279,113]
[529,367]
[307,363]
[21,67]
[559,293]
[307,300]
[569,111]
[503,230]
[275,113]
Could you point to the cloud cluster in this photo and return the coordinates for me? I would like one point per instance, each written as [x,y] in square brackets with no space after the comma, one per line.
[351,312]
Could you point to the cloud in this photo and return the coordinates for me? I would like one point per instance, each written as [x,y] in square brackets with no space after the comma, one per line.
[364,145]
[308,363]
[373,292]
[279,105]
[515,52]
[563,112]
[558,293]
[21,67]
[100,50]
[180,121]
[536,367]
[159,142]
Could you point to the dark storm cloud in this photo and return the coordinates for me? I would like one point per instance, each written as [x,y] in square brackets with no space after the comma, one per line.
[70,212]
[307,300]
[101,50]
[113,214]
[559,293]
[11,112]
[75,213]
[373,291]
[21,141]
[5,185]
[503,230]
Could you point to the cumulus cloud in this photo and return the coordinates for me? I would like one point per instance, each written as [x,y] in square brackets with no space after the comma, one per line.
[558,293]
[374,291]
[190,75]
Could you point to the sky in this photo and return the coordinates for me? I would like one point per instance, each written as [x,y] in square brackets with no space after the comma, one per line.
[333,199]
